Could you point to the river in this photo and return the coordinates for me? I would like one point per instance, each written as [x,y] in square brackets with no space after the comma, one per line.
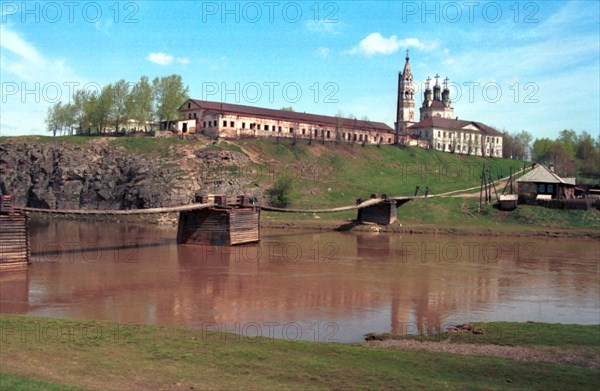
[316,286]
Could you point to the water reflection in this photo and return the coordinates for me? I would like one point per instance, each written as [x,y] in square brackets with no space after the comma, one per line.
[315,286]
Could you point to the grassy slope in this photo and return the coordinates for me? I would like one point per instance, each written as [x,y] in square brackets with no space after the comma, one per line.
[157,357]
[335,175]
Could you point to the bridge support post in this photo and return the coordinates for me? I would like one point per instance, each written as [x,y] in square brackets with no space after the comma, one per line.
[222,225]
[14,236]
[383,213]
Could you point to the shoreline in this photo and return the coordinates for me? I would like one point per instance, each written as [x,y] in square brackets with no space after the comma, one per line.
[341,225]
[539,356]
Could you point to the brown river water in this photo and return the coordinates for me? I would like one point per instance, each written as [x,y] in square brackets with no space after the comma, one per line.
[316,286]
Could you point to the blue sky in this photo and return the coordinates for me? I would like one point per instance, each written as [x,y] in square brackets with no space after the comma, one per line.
[531,66]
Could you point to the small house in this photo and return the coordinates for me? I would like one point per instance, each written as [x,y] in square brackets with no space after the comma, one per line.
[542,183]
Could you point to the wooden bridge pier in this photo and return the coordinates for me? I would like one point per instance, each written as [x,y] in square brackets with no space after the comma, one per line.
[383,213]
[14,236]
[228,222]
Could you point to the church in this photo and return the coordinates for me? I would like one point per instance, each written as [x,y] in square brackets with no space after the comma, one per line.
[438,128]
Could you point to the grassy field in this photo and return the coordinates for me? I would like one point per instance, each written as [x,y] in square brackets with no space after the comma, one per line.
[42,353]
[329,175]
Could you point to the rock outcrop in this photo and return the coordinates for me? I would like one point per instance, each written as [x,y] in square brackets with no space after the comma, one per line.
[96,176]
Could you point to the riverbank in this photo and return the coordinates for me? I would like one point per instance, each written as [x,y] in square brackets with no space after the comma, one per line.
[104,355]
[440,216]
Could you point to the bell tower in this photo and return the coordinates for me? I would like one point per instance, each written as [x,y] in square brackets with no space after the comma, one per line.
[405,110]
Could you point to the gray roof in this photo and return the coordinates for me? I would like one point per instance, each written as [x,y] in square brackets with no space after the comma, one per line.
[540,174]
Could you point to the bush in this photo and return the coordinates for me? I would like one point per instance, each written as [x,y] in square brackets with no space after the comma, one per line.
[279,193]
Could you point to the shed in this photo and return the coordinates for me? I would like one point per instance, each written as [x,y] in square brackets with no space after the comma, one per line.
[543,182]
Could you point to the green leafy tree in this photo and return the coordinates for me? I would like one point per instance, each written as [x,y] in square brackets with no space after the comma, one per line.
[118,109]
[139,104]
[169,94]
[80,100]
[587,155]
[53,118]
[279,193]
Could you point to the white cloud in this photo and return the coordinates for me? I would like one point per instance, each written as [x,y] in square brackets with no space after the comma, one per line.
[324,26]
[160,58]
[104,27]
[33,81]
[375,43]
[323,52]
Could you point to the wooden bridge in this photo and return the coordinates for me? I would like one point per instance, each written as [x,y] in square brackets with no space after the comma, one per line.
[215,220]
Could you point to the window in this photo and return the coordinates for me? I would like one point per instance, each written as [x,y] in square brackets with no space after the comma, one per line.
[303,131]
[550,188]
[291,129]
[316,132]
[243,125]
[190,116]
[204,124]
[224,124]
[195,115]
[189,105]
[328,134]
[354,137]
[232,124]
[215,125]
[439,133]
[266,127]
[280,129]
[541,188]
[389,140]
[257,126]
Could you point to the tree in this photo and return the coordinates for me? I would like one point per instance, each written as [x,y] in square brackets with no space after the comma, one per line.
[570,140]
[507,145]
[564,164]
[523,150]
[67,118]
[169,94]
[99,108]
[587,155]
[541,150]
[139,104]
[118,110]
[53,118]
[287,108]
[80,101]
[279,193]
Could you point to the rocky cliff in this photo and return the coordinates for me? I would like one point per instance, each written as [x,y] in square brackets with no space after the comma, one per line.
[101,176]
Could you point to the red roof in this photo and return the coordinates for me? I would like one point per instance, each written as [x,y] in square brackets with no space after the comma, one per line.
[289,115]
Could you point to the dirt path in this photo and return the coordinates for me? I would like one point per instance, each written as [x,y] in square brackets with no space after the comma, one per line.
[581,356]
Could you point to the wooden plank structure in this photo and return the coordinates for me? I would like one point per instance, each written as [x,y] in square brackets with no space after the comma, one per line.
[14,236]
[383,213]
[229,222]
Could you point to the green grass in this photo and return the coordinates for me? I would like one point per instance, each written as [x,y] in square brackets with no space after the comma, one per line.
[76,140]
[329,174]
[20,383]
[148,145]
[520,334]
[114,356]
